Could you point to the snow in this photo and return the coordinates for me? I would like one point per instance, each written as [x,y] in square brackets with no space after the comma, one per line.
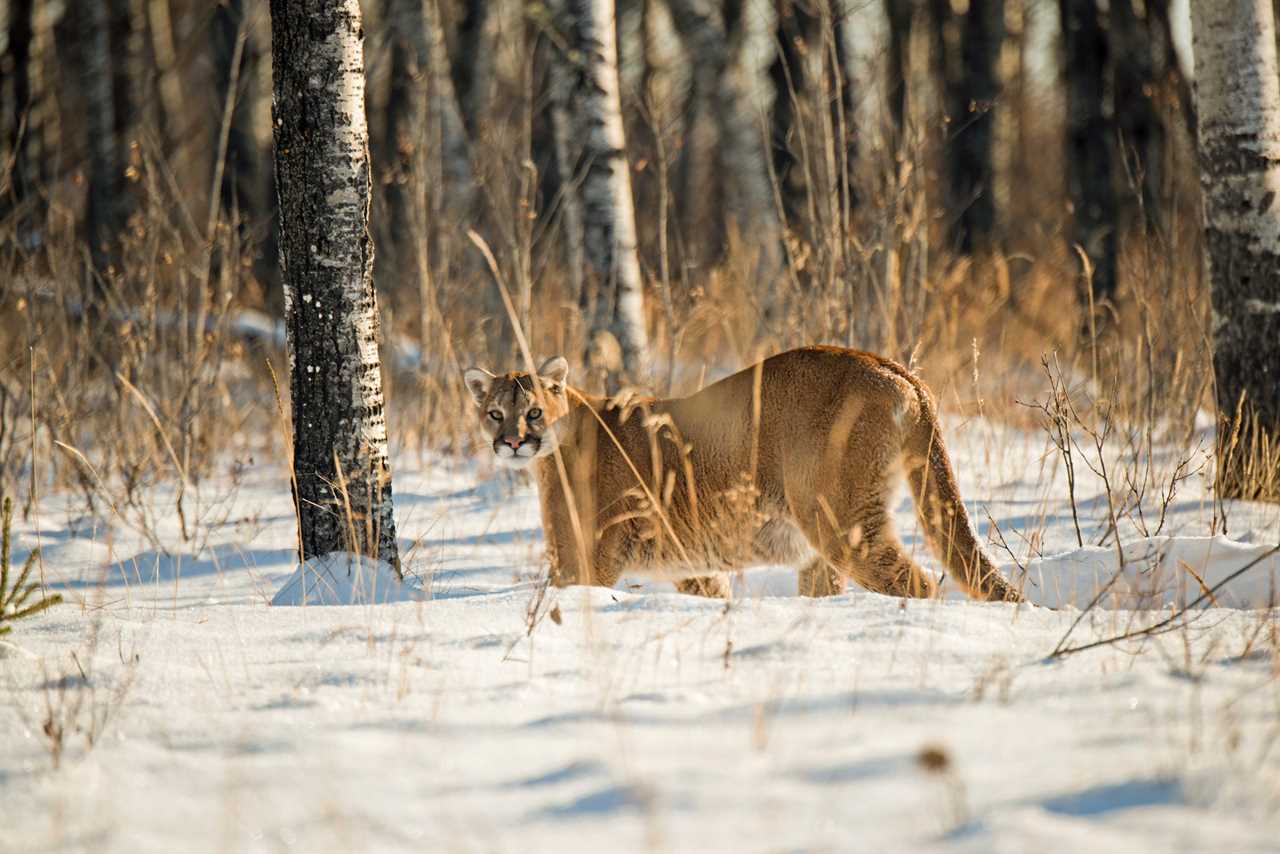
[341,578]
[493,714]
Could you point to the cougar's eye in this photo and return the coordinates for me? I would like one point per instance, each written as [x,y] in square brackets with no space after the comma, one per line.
[533,414]
[495,414]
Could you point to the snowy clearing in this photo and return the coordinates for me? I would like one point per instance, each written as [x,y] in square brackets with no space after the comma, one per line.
[196,717]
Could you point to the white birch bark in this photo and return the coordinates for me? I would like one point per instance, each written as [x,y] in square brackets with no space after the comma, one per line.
[326,259]
[1238,110]
[609,233]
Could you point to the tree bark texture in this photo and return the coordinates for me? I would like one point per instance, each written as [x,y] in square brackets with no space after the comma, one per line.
[240,179]
[700,212]
[1089,142]
[326,258]
[609,226]
[844,102]
[1140,125]
[797,31]
[27,126]
[742,124]
[104,211]
[899,14]
[973,92]
[567,153]
[1238,108]
[472,62]
[428,152]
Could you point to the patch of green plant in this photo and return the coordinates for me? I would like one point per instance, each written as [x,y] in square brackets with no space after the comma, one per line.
[16,600]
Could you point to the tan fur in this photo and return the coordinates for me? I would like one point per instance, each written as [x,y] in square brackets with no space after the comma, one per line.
[795,459]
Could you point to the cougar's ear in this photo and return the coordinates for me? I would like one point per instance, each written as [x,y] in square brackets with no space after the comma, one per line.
[478,381]
[554,372]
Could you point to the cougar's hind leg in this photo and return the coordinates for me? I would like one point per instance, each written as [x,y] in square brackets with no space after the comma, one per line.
[841,500]
[866,550]
[820,578]
[711,586]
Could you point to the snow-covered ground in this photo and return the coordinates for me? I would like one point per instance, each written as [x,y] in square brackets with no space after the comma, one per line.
[194,716]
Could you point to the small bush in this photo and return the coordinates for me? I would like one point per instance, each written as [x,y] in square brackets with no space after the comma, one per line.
[14,598]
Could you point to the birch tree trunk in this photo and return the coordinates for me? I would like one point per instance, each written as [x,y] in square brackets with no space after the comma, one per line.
[609,226]
[1238,108]
[326,256]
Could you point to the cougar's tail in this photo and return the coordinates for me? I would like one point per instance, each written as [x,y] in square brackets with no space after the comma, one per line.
[941,511]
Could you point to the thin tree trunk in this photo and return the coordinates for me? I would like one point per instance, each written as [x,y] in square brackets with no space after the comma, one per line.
[701,225]
[744,155]
[240,178]
[1089,143]
[472,62]
[796,33]
[1139,123]
[1238,94]
[106,161]
[899,14]
[323,178]
[27,123]
[560,79]
[246,195]
[609,237]
[406,134]
[844,104]
[445,121]
[168,84]
[972,137]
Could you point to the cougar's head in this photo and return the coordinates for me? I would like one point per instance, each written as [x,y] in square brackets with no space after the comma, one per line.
[518,418]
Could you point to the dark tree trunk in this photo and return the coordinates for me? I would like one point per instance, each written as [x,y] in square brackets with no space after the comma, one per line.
[27,124]
[406,131]
[700,211]
[102,80]
[245,195]
[323,178]
[21,39]
[796,33]
[426,147]
[1089,143]
[168,86]
[471,62]
[1135,86]
[844,104]
[899,14]
[566,152]
[1238,106]
[234,54]
[971,150]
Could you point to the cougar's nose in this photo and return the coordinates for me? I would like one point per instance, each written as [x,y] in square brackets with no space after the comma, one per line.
[514,441]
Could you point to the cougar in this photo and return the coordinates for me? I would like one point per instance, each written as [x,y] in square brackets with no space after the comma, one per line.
[795,460]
